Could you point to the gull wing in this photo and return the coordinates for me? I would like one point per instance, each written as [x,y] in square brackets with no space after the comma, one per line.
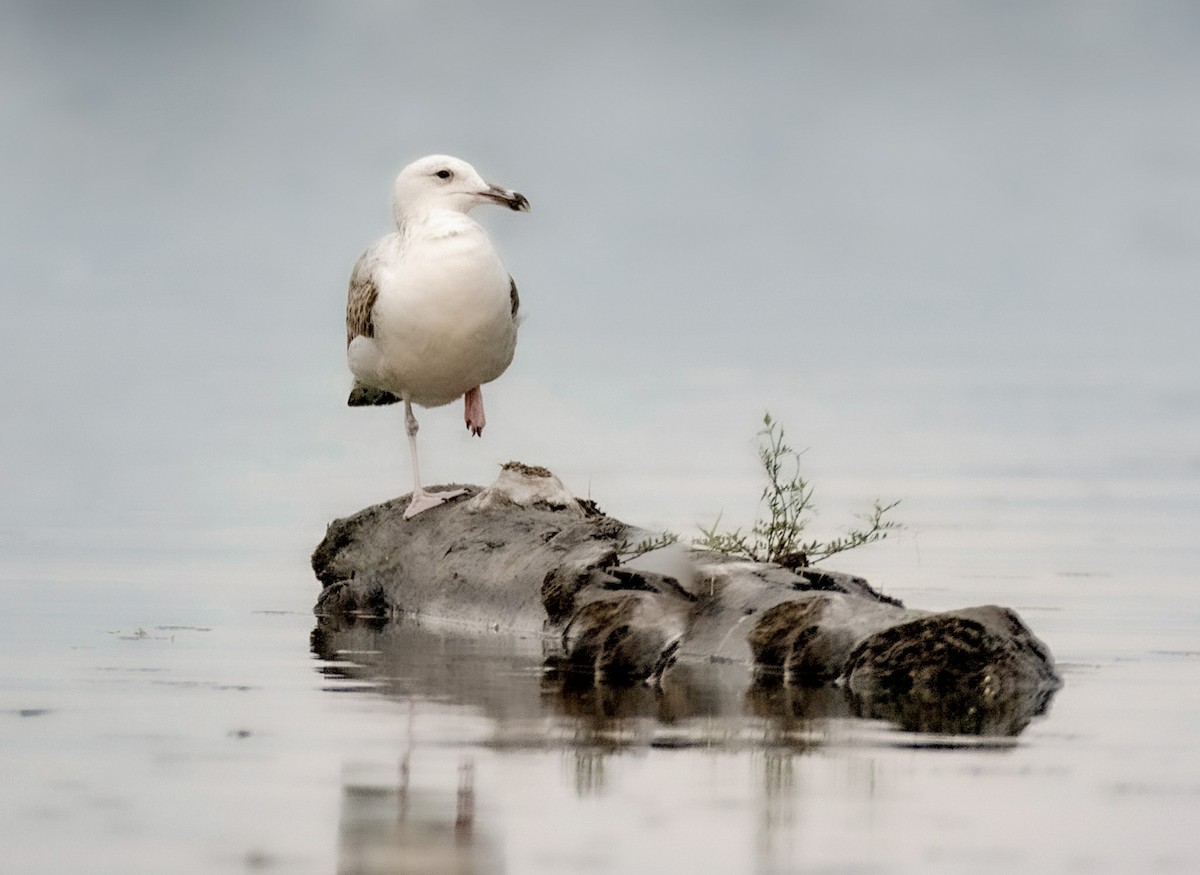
[360,322]
[360,302]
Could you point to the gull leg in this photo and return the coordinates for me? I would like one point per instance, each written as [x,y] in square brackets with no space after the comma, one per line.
[421,500]
[473,402]
[411,426]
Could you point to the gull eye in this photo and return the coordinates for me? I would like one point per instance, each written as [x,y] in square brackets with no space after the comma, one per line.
[444,174]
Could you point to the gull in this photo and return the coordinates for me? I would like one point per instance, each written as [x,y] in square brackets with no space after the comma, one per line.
[432,312]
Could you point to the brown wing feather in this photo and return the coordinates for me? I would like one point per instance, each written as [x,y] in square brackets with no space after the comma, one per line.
[360,302]
[513,296]
[360,322]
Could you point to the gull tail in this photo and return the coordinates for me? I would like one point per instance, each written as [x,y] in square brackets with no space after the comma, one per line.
[363,395]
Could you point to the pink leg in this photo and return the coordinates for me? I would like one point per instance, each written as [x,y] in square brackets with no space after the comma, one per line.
[474,412]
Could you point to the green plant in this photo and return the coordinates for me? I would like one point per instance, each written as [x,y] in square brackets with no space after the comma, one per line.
[777,536]
[646,544]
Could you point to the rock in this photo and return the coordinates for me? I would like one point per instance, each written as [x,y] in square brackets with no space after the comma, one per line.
[977,670]
[523,555]
[808,639]
[527,486]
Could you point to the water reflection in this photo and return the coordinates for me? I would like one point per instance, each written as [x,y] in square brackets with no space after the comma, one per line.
[519,683]
[956,712]
[476,695]
[401,829]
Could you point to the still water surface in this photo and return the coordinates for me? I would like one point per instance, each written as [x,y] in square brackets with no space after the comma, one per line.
[206,726]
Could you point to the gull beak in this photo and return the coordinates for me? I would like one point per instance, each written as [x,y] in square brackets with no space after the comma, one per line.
[512,199]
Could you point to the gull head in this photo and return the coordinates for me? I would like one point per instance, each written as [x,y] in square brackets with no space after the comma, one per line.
[440,182]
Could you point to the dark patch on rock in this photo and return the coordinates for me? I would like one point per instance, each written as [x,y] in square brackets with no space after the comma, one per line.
[798,559]
[976,670]
[827,581]
[808,639]
[589,507]
[527,470]
[775,634]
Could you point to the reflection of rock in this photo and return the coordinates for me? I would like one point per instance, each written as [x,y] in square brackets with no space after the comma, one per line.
[522,556]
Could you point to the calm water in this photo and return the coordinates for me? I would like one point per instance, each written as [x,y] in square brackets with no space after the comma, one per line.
[953,248]
[167,708]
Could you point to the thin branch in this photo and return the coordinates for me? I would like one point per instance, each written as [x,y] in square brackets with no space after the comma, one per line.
[776,535]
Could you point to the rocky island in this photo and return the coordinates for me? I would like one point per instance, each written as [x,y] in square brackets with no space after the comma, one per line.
[524,555]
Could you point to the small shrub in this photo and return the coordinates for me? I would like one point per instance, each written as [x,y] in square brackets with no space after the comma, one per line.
[777,535]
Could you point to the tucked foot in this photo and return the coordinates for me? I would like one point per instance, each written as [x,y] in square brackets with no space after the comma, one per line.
[473,401]
[422,500]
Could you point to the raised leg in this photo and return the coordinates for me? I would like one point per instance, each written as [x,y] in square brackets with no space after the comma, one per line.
[473,402]
[421,500]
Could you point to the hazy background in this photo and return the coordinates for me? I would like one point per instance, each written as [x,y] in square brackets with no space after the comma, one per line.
[953,247]
[934,239]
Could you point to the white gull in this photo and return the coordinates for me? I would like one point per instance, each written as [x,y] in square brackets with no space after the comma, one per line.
[432,311]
